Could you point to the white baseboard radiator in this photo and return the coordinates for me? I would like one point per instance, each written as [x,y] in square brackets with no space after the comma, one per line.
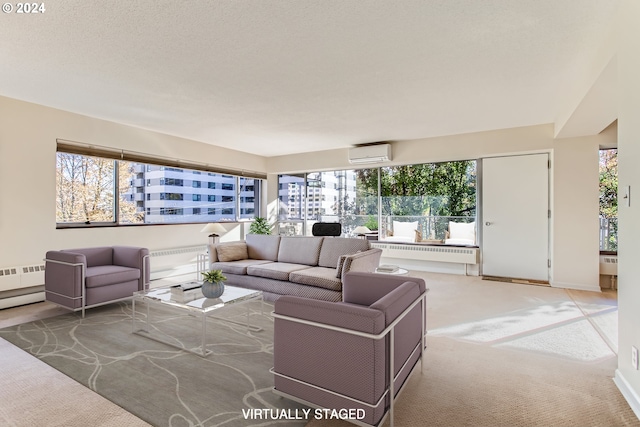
[175,261]
[21,285]
[436,253]
[609,267]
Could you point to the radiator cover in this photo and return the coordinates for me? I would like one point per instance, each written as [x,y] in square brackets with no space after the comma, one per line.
[437,253]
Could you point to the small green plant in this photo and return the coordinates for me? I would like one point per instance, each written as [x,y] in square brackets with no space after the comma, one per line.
[214,276]
[372,222]
[260,226]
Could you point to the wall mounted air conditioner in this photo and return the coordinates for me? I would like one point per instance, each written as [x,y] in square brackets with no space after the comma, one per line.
[370,154]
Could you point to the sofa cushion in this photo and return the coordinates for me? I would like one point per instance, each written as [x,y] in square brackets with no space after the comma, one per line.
[103,275]
[300,250]
[332,249]
[321,277]
[232,251]
[101,255]
[260,246]
[236,267]
[274,270]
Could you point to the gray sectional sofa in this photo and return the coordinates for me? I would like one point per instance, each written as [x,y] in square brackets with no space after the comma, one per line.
[311,267]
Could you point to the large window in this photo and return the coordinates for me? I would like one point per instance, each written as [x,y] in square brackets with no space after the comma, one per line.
[100,191]
[332,196]
[609,200]
[428,196]
[85,189]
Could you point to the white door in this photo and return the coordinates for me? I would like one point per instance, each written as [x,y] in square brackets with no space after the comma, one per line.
[515,217]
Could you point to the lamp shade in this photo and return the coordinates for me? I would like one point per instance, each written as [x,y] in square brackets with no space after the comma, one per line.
[213,228]
[361,229]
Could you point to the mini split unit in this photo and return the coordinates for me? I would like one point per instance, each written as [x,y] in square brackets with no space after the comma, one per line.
[370,154]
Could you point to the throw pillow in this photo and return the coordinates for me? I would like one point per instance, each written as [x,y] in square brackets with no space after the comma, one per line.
[461,230]
[405,229]
[232,251]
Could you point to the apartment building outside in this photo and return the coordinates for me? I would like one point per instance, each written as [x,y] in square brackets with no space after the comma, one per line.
[173,195]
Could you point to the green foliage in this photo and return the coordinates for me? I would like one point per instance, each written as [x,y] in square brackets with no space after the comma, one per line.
[372,223]
[609,197]
[609,183]
[213,276]
[260,226]
[443,189]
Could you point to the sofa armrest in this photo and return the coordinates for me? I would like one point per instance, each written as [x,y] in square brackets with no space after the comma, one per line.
[397,301]
[366,261]
[347,316]
[66,257]
[63,272]
[134,257]
[367,288]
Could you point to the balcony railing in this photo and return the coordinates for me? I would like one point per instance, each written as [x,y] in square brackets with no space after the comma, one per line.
[431,227]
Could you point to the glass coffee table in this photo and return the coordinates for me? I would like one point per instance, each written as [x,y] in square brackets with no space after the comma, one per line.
[187,298]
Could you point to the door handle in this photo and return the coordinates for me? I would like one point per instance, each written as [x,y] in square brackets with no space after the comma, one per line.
[487,223]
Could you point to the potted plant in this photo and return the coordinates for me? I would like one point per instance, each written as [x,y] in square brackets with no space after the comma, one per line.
[213,283]
[260,225]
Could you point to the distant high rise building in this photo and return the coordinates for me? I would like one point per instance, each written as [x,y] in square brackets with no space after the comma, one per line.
[172,195]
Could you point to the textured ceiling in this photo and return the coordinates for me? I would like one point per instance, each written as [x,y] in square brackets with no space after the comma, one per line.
[275,77]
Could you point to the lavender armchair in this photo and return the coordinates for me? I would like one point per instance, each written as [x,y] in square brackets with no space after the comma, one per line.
[336,355]
[82,278]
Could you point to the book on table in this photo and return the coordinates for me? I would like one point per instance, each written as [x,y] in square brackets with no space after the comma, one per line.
[388,268]
[186,292]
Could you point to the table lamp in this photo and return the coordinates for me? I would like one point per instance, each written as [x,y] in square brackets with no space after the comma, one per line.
[361,230]
[214,229]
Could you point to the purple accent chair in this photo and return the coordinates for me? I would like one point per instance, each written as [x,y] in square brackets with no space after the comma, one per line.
[83,278]
[339,355]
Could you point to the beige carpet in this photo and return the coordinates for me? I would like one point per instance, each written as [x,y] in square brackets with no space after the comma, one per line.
[500,354]
[503,354]
[34,394]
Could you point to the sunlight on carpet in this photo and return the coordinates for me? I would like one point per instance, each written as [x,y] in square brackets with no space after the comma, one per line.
[559,329]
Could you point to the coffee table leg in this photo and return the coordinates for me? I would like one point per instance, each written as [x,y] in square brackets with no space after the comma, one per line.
[148,318]
[204,334]
[133,315]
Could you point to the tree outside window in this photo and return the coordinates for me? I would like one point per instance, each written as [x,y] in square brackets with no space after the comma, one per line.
[609,200]
[99,191]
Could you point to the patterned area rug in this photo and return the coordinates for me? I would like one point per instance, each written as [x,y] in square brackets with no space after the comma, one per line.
[160,384]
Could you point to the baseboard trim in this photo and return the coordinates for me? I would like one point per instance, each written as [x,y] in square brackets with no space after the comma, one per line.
[18,300]
[576,286]
[628,393]
[516,280]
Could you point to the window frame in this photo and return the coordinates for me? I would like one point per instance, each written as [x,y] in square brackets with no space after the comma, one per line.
[257,185]
[309,195]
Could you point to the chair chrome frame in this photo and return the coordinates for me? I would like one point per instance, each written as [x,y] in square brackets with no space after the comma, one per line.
[83,296]
[389,330]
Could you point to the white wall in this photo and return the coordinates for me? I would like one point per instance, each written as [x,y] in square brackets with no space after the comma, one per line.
[28,134]
[575,215]
[627,378]
[574,184]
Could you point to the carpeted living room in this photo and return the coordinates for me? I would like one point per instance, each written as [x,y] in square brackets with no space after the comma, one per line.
[497,354]
[455,145]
